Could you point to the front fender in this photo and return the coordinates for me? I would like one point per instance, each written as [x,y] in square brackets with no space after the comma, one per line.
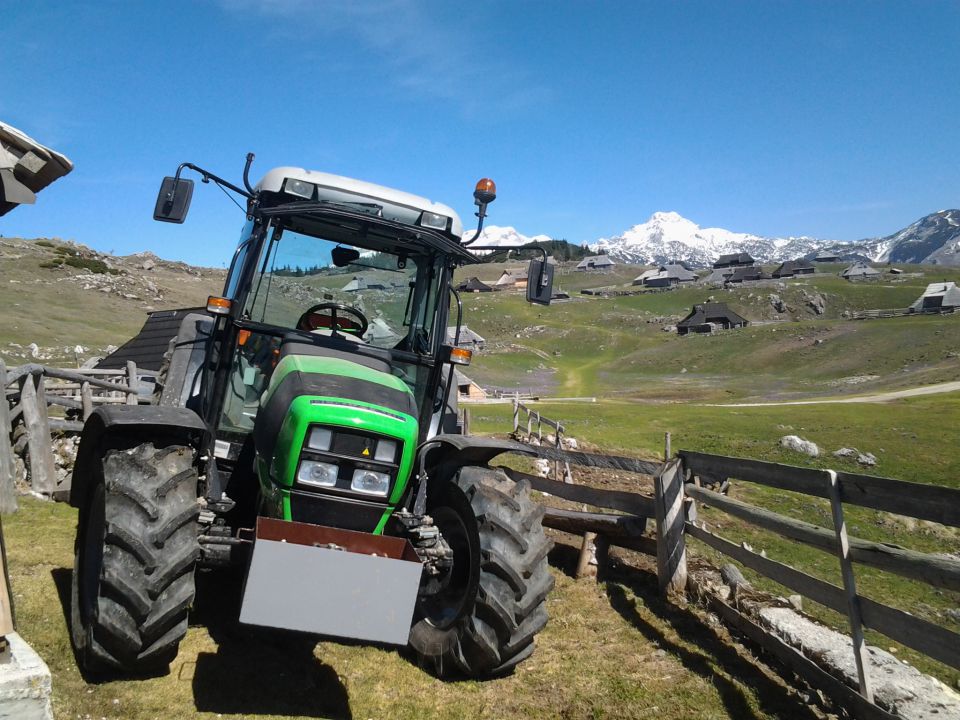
[126,425]
[452,451]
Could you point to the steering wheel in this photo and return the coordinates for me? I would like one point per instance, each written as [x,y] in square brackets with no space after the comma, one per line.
[311,320]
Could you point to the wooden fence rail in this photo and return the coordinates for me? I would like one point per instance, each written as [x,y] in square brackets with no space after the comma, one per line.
[28,391]
[677,485]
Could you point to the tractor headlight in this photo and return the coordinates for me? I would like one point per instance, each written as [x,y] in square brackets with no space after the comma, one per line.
[298,188]
[434,220]
[317,474]
[370,482]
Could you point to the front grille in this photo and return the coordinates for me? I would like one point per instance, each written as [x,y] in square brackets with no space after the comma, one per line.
[345,513]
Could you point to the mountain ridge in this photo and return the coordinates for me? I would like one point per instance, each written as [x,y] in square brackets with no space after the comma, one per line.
[667,236]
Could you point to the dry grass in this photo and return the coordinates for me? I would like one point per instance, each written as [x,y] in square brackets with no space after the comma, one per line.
[612,650]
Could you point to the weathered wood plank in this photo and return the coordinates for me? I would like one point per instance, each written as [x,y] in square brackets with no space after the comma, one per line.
[918,500]
[67,425]
[850,589]
[671,544]
[932,569]
[132,383]
[806,668]
[43,472]
[809,481]
[8,494]
[86,400]
[629,502]
[575,522]
[921,635]
[612,462]
[586,550]
[72,375]
[7,624]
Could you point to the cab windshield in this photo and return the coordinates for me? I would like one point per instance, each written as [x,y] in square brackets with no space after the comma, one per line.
[371,301]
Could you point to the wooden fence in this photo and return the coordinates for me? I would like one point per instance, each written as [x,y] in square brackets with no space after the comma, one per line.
[681,481]
[534,417]
[899,312]
[26,423]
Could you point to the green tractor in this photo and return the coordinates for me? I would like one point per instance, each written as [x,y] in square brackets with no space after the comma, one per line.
[305,429]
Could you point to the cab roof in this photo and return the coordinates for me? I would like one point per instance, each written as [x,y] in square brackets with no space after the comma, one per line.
[397,205]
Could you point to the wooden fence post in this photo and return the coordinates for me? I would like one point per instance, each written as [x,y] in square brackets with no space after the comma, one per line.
[666,447]
[466,421]
[516,415]
[586,549]
[671,545]
[132,382]
[86,399]
[8,495]
[43,470]
[849,587]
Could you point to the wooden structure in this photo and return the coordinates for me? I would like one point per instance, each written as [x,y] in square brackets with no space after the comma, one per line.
[860,271]
[792,268]
[680,482]
[596,263]
[707,317]
[29,390]
[938,296]
[741,259]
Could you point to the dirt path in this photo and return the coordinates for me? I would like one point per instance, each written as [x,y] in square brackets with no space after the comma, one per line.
[880,397]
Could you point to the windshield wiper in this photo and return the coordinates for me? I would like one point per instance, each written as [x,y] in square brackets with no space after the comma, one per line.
[308,205]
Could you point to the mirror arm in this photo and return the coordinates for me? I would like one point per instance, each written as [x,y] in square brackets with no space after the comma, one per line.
[207,176]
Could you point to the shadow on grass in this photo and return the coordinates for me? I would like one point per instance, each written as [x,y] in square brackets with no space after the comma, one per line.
[257,671]
[254,671]
[703,651]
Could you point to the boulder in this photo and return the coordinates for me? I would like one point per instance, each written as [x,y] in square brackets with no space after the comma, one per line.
[798,444]
[777,302]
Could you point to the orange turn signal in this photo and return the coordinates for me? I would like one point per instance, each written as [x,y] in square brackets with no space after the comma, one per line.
[218,305]
[242,337]
[461,356]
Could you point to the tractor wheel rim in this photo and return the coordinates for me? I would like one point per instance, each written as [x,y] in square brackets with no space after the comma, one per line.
[447,606]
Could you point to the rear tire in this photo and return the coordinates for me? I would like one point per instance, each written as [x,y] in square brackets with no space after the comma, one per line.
[484,624]
[135,553]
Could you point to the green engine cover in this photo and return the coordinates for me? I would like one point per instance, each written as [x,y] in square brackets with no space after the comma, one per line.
[339,394]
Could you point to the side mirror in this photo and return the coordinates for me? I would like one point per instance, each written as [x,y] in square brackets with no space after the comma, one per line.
[539,282]
[173,200]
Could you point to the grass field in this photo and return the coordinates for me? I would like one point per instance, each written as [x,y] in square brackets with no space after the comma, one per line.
[609,651]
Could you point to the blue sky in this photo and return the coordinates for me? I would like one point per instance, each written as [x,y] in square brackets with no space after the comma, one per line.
[836,120]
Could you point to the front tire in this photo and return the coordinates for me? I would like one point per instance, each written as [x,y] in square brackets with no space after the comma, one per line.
[483,623]
[134,558]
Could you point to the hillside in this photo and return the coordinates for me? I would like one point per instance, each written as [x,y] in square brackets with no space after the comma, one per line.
[60,295]
[614,347]
[617,347]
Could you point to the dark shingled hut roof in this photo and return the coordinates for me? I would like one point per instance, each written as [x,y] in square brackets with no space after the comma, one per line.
[148,347]
[474,284]
[734,259]
[712,312]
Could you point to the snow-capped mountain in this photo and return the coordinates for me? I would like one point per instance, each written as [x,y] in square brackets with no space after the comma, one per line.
[934,239]
[501,237]
[668,236]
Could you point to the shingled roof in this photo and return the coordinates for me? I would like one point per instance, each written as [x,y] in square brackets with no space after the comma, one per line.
[148,347]
[734,260]
[710,313]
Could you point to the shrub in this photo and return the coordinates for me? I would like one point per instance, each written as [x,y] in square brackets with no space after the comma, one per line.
[45,243]
[98,267]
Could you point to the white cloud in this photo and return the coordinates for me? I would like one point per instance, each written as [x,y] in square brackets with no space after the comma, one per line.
[422,53]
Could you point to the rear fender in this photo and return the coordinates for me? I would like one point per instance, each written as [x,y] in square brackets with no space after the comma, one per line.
[126,425]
